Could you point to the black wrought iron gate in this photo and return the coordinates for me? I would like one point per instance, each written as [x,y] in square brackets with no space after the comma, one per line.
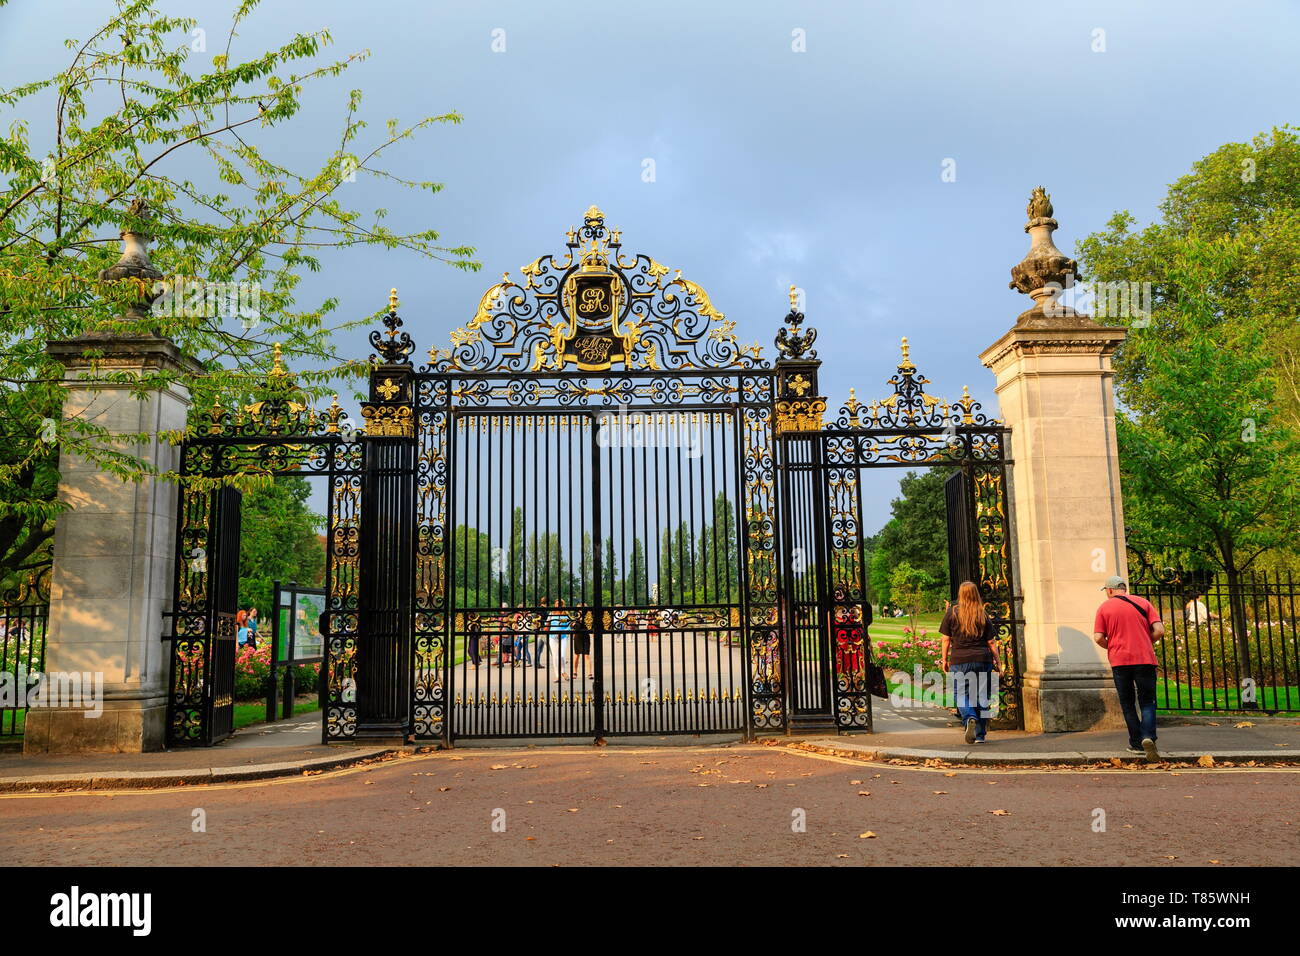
[597,513]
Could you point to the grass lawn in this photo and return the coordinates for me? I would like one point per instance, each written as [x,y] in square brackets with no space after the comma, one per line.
[254,712]
[891,628]
[1178,698]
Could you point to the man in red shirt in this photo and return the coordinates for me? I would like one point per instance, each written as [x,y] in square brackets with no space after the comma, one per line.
[1126,626]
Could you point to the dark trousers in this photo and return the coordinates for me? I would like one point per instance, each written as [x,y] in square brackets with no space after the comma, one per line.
[1136,686]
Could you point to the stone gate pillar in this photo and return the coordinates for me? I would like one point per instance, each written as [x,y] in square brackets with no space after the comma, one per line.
[114,546]
[1055,391]
[114,552]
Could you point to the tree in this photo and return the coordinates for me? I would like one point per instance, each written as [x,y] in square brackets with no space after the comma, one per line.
[637,584]
[1246,191]
[1224,266]
[908,587]
[916,534]
[279,540]
[140,141]
[1206,460]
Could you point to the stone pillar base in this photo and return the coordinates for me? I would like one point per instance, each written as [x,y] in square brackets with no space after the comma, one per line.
[125,726]
[1062,700]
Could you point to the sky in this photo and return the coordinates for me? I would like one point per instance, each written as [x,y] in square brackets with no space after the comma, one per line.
[792,142]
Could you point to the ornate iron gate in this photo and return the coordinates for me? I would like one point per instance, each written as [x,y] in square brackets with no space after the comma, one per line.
[631,509]
[567,523]
[276,433]
[821,465]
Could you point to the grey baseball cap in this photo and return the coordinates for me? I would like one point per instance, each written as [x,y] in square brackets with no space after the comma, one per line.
[1114,581]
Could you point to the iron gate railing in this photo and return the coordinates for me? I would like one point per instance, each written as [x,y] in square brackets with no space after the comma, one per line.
[24,615]
[1228,646]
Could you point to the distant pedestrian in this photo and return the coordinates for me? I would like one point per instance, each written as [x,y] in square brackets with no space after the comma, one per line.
[537,625]
[558,625]
[968,650]
[508,643]
[252,620]
[244,635]
[473,633]
[1127,626]
[581,644]
[1196,612]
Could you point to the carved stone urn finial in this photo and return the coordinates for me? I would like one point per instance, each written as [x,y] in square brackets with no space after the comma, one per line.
[134,264]
[1045,271]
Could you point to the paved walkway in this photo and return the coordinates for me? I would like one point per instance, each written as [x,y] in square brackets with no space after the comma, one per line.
[927,732]
[292,748]
[262,750]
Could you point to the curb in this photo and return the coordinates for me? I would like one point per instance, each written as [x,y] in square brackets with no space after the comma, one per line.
[1068,757]
[196,776]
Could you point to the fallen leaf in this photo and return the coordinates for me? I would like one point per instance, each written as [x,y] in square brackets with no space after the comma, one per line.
[1244,723]
[938,792]
[841,856]
[573,809]
[1205,760]
[866,836]
[855,782]
[499,766]
[864,793]
[953,774]
[1000,813]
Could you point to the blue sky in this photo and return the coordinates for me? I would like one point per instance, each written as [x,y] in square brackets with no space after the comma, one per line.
[820,168]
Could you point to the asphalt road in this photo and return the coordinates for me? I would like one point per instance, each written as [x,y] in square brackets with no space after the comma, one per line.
[735,806]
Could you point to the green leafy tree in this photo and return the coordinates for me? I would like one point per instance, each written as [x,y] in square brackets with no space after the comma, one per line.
[637,588]
[1207,460]
[142,113]
[1223,263]
[909,588]
[916,534]
[279,540]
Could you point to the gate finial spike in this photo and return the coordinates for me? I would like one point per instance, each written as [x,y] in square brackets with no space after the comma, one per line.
[392,300]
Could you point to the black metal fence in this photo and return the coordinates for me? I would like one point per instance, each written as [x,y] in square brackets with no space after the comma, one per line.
[1228,646]
[24,613]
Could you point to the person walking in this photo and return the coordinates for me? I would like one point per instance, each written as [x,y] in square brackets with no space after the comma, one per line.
[558,625]
[473,632]
[1127,627]
[968,650]
[537,624]
[581,644]
[511,644]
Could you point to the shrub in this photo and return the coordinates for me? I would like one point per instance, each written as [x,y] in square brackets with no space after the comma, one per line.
[253,673]
[912,650]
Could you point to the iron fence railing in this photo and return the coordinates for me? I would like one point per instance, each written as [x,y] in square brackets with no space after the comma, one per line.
[24,613]
[1228,645]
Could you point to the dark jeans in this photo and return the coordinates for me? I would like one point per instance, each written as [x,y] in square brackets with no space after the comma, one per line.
[1136,686]
[971,688]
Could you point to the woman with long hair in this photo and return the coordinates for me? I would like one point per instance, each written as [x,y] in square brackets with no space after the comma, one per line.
[969,651]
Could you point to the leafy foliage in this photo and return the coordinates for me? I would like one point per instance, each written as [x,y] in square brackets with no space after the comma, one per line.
[1210,389]
[139,113]
[279,540]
